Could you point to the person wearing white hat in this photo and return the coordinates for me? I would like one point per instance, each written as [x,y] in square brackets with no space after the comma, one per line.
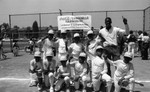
[76,47]
[99,69]
[35,70]
[64,72]
[49,69]
[124,70]
[62,44]
[80,68]
[47,43]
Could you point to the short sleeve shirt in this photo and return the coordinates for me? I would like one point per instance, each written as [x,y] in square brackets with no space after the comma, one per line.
[62,45]
[111,35]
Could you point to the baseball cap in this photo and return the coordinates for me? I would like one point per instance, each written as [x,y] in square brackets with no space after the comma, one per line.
[99,47]
[63,31]
[128,54]
[89,32]
[63,58]
[37,54]
[49,53]
[50,32]
[76,35]
[82,54]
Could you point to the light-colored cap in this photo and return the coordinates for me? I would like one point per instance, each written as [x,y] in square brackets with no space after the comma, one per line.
[63,58]
[82,54]
[90,32]
[37,54]
[50,31]
[76,35]
[99,47]
[49,53]
[128,54]
[63,31]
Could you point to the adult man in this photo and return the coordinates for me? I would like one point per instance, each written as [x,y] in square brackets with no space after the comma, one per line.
[99,69]
[131,39]
[109,33]
[35,70]
[48,43]
[80,67]
[124,71]
[49,68]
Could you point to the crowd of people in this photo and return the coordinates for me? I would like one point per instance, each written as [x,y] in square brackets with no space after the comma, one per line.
[77,61]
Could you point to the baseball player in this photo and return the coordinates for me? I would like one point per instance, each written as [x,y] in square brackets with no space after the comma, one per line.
[36,71]
[124,71]
[48,43]
[99,69]
[62,44]
[76,47]
[80,67]
[49,68]
[64,72]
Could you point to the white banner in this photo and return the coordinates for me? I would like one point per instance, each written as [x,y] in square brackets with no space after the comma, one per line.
[74,22]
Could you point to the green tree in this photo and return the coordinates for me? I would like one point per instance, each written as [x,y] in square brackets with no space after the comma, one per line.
[35,30]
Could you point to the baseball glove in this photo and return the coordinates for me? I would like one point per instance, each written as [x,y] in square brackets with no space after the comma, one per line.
[123,82]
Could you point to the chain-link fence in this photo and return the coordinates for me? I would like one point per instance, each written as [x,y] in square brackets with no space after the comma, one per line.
[21,24]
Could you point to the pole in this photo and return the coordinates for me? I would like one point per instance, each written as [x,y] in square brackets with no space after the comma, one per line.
[39,24]
[143,20]
[11,36]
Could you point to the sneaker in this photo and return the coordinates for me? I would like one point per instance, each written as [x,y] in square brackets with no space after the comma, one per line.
[39,88]
[33,84]
[51,89]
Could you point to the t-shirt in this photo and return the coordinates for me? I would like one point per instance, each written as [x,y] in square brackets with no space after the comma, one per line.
[62,45]
[80,69]
[111,35]
[131,38]
[76,49]
[98,66]
[122,68]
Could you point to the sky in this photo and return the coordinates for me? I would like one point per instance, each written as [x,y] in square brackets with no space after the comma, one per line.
[8,7]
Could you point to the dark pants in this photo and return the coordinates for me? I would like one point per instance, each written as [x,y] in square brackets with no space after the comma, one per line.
[145,47]
[112,53]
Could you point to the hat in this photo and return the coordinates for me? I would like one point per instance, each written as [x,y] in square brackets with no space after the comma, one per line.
[128,54]
[50,32]
[63,31]
[76,35]
[99,47]
[49,53]
[37,54]
[63,58]
[89,32]
[82,54]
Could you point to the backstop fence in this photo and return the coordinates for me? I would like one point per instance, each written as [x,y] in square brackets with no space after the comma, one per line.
[137,20]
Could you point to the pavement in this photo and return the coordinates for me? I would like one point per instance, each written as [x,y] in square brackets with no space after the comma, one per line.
[14,75]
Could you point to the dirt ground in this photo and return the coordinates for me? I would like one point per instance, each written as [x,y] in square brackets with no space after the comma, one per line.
[14,76]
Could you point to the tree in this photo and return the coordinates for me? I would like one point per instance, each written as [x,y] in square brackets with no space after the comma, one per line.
[35,30]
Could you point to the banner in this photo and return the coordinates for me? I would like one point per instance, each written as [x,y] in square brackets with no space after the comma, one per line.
[74,22]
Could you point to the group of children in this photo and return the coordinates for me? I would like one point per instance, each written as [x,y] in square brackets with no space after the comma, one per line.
[78,62]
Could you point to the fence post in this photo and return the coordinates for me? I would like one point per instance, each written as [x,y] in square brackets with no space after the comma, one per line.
[143,20]
[11,36]
[106,13]
[39,24]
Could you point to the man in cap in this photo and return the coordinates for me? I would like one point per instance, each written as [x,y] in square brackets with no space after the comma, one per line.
[124,70]
[49,68]
[48,43]
[64,72]
[62,44]
[80,68]
[35,70]
[76,47]
[99,69]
